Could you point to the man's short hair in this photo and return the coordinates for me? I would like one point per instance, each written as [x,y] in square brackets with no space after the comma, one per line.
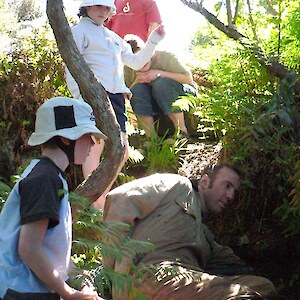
[212,170]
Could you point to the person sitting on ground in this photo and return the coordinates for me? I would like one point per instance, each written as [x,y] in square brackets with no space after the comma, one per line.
[168,210]
[156,86]
[106,53]
[36,222]
[139,17]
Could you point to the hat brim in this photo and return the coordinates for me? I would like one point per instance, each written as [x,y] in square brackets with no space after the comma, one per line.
[69,133]
[113,7]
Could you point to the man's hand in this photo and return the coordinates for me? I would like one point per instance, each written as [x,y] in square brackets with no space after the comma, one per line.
[147,76]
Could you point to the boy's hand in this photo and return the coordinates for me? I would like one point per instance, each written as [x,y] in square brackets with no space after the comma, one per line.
[157,35]
[85,294]
[161,30]
[89,291]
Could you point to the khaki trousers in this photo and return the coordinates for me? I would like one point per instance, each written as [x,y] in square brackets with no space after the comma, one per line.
[180,283]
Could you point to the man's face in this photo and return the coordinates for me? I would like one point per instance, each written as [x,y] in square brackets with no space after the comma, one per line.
[217,193]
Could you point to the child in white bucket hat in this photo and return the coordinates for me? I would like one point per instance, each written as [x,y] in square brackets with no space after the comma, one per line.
[35,222]
[106,53]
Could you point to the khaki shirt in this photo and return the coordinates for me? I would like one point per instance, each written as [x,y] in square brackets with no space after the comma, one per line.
[165,210]
[164,61]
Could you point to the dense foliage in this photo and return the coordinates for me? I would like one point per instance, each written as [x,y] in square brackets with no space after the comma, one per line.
[256,117]
[31,71]
[253,115]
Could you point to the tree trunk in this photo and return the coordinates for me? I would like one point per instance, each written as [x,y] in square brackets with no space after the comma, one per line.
[275,68]
[95,95]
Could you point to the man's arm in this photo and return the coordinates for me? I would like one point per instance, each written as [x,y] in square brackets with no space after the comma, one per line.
[126,204]
[223,260]
[166,65]
[151,75]
[137,199]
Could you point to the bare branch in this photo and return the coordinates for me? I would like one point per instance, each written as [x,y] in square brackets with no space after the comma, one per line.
[251,21]
[231,32]
[236,11]
[229,14]
[274,67]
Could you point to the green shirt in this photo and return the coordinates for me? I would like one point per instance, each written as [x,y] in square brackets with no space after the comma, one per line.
[164,61]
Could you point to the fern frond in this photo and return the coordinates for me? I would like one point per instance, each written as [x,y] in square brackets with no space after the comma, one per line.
[131,247]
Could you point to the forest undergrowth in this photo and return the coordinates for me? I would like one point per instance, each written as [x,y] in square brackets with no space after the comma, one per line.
[242,114]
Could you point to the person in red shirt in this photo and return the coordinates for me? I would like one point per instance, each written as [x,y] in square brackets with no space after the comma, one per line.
[138,17]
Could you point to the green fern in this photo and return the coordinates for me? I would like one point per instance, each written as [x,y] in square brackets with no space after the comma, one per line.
[163,154]
[89,249]
[4,193]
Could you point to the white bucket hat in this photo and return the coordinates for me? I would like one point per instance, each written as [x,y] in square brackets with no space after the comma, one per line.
[109,3]
[66,117]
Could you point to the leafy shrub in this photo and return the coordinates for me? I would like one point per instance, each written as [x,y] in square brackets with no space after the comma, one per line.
[28,76]
[161,154]
[4,193]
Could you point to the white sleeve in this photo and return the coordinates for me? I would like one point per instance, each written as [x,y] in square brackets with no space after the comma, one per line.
[138,60]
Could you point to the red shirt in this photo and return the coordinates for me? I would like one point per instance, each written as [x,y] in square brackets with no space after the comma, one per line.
[134,16]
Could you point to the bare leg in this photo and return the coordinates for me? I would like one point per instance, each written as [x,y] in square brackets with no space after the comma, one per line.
[146,123]
[92,161]
[99,203]
[178,120]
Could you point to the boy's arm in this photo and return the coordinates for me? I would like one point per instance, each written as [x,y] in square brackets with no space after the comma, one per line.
[32,253]
[138,60]
[153,16]
[152,26]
